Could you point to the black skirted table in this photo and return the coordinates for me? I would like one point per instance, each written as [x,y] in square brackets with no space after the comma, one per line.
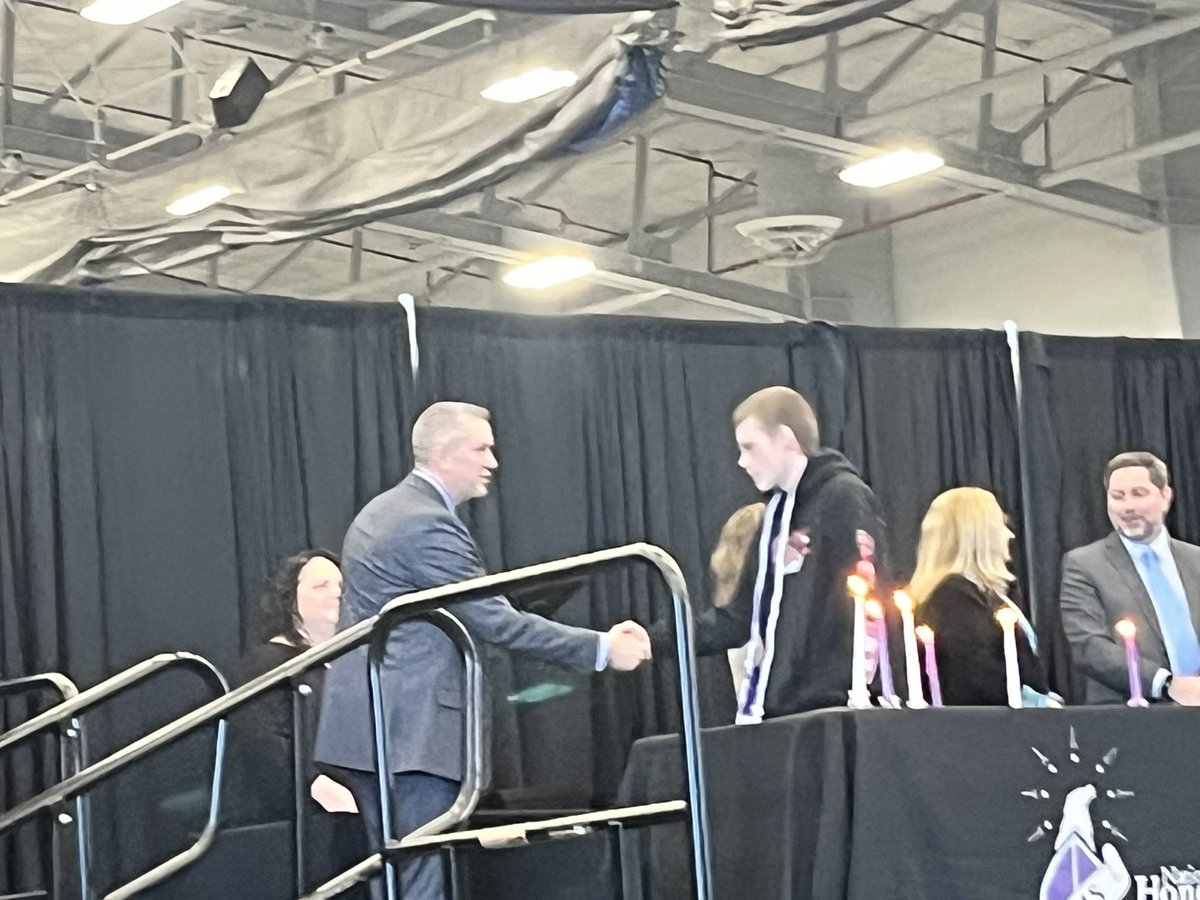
[943,803]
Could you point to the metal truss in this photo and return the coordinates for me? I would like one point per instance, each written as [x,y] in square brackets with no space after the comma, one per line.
[90,144]
[711,92]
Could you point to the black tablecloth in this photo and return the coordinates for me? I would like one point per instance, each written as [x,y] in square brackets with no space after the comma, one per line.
[943,803]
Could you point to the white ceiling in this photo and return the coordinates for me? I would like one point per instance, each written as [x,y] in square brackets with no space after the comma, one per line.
[758,132]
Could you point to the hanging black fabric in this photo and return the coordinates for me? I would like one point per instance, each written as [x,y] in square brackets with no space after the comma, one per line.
[158,456]
[1085,400]
[612,430]
[927,411]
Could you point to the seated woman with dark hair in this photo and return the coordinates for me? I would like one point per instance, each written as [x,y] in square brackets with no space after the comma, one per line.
[962,580]
[298,610]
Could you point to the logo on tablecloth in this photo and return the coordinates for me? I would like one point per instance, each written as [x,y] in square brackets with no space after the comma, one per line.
[1076,871]
[1079,870]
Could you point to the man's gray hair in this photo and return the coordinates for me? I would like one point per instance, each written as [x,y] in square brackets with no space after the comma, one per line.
[1159,476]
[441,424]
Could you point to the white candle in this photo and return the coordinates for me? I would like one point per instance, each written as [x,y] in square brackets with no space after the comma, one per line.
[1012,674]
[860,697]
[925,636]
[912,665]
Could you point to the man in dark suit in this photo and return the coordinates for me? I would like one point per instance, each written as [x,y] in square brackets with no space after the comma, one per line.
[408,539]
[1138,572]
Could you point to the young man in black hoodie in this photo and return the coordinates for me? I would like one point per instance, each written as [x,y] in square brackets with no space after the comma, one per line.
[822,524]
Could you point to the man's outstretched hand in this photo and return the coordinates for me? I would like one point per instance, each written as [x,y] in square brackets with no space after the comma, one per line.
[628,646]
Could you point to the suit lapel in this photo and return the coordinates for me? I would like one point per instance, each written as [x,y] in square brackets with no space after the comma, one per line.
[1118,557]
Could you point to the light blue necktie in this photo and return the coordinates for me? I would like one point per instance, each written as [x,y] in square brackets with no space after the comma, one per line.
[1183,649]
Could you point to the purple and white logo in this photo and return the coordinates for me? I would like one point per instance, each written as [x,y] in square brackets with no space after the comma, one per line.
[1076,872]
[1079,870]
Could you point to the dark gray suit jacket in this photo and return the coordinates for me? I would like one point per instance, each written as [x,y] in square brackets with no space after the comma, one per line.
[1100,586]
[406,540]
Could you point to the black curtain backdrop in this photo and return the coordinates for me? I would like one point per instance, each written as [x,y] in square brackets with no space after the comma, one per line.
[926,411]
[158,456]
[613,430]
[1086,400]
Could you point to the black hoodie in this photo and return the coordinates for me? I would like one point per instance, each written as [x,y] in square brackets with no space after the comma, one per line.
[812,639]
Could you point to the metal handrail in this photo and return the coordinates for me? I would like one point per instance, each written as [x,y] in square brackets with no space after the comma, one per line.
[414,604]
[72,751]
[501,836]
[75,784]
[472,784]
[55,681]
[359,633]
[117,684]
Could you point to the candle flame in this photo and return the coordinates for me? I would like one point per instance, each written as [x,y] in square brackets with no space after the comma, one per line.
[903,601]
[1006,617]
[1126,628]
[925,634]
[857,585]
[874,610]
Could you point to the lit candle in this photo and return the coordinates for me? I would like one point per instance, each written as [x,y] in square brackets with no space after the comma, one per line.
[925,635]
[916,696]
[1012,676]
[860,697]
[879,629]
[1128,632]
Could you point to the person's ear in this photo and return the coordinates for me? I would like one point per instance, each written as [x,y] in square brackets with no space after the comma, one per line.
[789,438]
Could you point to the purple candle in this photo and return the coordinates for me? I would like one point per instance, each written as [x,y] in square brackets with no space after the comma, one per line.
[1128,632]
[879,624]
[925,636]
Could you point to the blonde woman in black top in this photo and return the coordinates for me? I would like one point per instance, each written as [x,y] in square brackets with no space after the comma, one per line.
[962,579]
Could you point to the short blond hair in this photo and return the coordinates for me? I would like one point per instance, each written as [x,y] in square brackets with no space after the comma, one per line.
[964,533]
[440,425]
[729,557]
[780,406]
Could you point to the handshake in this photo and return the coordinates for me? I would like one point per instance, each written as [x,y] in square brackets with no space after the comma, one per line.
[628,646]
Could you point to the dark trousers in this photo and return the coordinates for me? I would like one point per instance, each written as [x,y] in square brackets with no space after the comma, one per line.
[417,798]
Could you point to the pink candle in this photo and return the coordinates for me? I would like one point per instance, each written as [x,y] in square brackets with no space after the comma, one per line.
[925,636]
[1128,632]
[879,626]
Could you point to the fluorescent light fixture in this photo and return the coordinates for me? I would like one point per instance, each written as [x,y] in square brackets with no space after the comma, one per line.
[549,271]
[890,168]
[198,200]
[529,85]
[124,12]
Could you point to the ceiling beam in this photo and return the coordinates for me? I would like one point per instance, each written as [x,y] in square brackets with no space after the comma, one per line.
[1093,167]
[614,267]
[33,131]
[714,93]
[984,87]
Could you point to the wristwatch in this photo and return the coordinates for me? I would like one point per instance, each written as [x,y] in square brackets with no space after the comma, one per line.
[1166,687]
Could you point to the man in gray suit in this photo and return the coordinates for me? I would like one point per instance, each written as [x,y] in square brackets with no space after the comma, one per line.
[1141,573]
[408,539]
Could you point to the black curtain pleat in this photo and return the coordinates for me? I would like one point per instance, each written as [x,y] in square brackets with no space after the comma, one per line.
[1086,400]
[927,411]
[158,457]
